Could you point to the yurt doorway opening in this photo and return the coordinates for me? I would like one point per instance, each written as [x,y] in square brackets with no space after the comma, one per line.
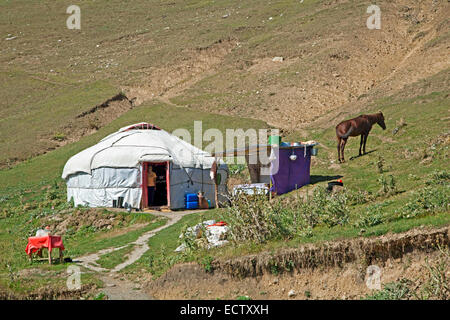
[155,184]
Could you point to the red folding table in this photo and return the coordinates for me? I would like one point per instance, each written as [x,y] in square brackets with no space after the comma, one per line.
[50,242]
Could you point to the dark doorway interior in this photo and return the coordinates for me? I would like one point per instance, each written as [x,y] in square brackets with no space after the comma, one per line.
[160,192]
[160,198]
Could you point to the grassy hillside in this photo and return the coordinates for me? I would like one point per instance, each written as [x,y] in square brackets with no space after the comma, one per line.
[416,156]
[47,167]
[212,56]
[173,63]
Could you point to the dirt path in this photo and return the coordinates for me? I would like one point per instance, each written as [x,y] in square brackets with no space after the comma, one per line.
[117,288]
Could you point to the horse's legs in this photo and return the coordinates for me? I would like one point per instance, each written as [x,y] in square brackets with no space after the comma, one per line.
[343,142]
[365,140]
[361,143]
[339,149]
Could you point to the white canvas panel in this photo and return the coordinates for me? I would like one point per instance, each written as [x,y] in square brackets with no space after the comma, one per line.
[106,177]
[80,179]
[104,197]
[116,177]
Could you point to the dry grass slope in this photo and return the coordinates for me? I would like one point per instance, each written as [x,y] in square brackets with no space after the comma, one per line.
[208,56]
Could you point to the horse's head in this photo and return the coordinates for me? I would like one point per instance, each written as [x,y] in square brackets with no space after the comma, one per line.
[381,120]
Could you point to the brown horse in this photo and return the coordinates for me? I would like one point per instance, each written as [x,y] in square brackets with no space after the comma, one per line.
[354,127]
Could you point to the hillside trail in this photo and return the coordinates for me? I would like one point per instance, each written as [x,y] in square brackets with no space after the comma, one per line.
[116,287]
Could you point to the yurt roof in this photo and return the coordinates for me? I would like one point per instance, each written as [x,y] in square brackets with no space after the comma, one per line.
[134,144]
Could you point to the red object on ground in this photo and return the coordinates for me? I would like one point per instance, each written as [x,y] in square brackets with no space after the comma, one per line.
[37,243]
[218,224]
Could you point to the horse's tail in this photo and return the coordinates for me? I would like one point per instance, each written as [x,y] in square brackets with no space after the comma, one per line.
[347,134]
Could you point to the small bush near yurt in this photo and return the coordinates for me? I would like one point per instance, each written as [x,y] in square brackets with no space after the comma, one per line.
[257,219]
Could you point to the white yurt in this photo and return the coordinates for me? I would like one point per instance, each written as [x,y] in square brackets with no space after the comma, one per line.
[113,173]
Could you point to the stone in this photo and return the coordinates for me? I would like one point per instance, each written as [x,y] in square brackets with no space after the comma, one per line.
[278,59]
[292,293]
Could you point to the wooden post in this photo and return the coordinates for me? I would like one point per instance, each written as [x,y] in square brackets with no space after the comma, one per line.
[61,256]
[213,174]
[216,193]
[270,187]
[49,257]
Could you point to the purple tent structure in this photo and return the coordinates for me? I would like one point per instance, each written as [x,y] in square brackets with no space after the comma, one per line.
[290,170]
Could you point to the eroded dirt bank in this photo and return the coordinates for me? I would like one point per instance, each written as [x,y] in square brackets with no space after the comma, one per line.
[47,293]
[329,271]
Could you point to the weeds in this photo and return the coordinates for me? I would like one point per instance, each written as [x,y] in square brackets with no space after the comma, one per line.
[438,178]
[359,197]
[59,136]
[399,125]
[438,284]
[100,296]
[388,185]
[252,218]
[426,200]
[372,216]
[162,260]
[274,268]
[398,290]
[236,169]
[332,209]
[255,218]
[380,164]
[207,263]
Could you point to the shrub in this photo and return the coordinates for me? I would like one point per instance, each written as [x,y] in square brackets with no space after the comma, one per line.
[358,197]
[59,136]
[207,263]
[394,291]
[236,168]
[438,178]
[433,199]
[373,215]
[388,185]
[255,218]
[426,200]
[380,164]
[331,208]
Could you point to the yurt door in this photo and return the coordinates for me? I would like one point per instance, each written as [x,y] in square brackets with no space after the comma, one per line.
[155,184]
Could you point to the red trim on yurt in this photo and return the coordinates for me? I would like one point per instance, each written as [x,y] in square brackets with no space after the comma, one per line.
[144,199]
[142,126]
